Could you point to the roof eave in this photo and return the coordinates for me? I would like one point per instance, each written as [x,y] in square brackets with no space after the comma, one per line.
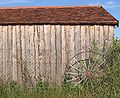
[113,23]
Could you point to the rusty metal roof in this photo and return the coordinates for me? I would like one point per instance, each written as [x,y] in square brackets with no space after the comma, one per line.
[65,15]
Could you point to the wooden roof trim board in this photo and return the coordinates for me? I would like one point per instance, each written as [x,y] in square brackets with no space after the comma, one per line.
[63,15]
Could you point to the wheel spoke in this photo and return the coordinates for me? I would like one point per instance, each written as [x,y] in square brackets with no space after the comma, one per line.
[71,73]
[98,66]
[83,66]
[97,72]
[80,65]
[74,79]
[91,83]
[75,68]
[79,70]
[95,62]
[84,82]
[77,61]
[89,64]
[80,81]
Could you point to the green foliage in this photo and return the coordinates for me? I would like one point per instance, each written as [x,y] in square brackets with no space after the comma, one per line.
[107,86]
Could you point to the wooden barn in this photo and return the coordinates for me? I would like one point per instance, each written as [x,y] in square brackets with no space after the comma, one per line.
[38,42]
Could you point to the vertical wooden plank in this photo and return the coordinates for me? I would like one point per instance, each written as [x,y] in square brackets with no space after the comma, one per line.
[58,53]
[67,33]
[97,36]
[9,52]
[77,40]
[32,51]
[111,34]
[18,53]
[5,53]
[39,52]
[77,46]
[71,43]
[14,55]
[106,37]
[64,54]
[9,44]
[91,36]
[53,55]
[66,45]
[36,52]
[26,60]
[27,47]
[42,53]
[101,39]
[87,41]
[47,50]
[83,31]
[23,52]
[1,52]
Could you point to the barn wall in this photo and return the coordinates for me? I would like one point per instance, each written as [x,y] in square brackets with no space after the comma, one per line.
[31,52]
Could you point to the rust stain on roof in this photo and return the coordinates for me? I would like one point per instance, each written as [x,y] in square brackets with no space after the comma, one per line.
[71,15]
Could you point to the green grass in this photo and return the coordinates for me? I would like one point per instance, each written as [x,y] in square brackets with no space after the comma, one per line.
[107,86]
[41,90]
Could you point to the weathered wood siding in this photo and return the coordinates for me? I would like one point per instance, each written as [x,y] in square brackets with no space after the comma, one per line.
[32,52]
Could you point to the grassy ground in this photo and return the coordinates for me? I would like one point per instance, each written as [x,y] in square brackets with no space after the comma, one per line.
[107,86]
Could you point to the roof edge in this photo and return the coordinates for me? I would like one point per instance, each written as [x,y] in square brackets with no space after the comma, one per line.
[112,23]
[117,21]
[22,7]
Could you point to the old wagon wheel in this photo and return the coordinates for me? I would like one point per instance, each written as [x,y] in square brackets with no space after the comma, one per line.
[81,68]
